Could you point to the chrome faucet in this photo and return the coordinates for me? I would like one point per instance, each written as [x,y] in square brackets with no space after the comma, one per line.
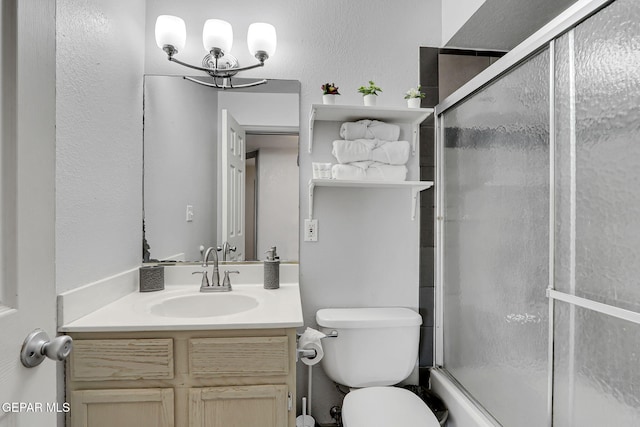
[214,286]
[226,248]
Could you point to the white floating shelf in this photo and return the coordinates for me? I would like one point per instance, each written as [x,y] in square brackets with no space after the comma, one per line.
[350,113]
[414,186]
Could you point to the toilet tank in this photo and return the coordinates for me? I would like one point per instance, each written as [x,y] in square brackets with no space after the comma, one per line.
[374,346]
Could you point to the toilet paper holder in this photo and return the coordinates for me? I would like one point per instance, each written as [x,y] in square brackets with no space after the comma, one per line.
[332,334]
[308,353]
[311,353]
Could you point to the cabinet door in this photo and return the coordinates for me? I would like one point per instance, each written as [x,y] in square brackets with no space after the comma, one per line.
[122,408]
[238,406]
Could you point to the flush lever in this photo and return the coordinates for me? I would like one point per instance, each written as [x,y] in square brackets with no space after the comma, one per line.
[37,346]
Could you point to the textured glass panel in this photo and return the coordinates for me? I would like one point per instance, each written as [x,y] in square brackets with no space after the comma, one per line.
[596,375]
[496,244]
[598,191]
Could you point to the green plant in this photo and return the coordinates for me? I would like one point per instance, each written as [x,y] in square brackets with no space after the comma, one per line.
[330,89]
[414,93]
[372,89]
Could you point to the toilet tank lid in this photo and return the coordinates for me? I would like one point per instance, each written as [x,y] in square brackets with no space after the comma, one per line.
[378,317]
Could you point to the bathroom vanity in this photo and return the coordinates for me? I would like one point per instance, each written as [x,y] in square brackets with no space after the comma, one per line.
[157,359]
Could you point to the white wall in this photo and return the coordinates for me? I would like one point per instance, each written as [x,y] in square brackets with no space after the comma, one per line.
[180,166]
[278,201]
[346,42]
[360,258]
[454,15]
[100,62]
[262,109]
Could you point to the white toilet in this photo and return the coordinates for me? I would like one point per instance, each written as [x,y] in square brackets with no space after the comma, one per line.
[375,348]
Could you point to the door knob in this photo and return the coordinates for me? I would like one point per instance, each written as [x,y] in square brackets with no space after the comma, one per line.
[37,346]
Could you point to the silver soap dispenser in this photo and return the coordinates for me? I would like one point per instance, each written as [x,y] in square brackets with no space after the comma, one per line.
[272,269]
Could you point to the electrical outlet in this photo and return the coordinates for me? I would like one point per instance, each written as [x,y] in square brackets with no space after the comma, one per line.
[310,230]
[189,213]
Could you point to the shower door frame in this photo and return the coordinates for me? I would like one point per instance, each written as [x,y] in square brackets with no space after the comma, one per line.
[545,37]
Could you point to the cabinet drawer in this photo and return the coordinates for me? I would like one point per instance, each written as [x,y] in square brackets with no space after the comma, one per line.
[121,359]
[250,356]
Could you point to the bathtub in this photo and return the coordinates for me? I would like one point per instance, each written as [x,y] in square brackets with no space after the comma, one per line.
[463,412]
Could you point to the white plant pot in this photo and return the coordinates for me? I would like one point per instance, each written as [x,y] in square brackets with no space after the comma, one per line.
[329,99]
[370,100]
[413,102]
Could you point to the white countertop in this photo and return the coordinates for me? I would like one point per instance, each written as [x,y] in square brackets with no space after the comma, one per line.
[276,308]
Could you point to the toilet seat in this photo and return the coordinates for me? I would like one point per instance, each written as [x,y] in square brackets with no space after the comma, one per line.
[384,407]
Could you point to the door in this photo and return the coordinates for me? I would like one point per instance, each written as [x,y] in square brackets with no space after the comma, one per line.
[122,408]
[27,222]
[233,185]
[238,406]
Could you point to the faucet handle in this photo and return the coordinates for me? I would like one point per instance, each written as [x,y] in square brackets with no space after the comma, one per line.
[226,281]
[205,278]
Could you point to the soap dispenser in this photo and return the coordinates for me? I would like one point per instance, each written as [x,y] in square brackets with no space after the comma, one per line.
[272,269]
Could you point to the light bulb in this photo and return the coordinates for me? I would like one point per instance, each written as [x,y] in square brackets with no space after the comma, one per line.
[217,34]
[170,30]
[261,37]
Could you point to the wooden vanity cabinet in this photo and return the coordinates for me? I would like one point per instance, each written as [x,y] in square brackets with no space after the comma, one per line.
[217,378]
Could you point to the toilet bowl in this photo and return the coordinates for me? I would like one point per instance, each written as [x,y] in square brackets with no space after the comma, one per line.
[374,349]
[385,407]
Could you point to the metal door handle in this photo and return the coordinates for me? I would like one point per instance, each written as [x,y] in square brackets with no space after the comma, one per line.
[37,346]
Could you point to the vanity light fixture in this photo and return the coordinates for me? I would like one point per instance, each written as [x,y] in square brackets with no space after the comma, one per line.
[217,38]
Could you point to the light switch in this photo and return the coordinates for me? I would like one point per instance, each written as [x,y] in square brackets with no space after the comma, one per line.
[189,213]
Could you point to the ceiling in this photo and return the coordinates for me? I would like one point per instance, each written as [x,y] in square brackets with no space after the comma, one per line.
[503,24]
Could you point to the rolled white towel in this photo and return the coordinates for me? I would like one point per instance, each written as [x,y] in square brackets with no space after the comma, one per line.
[369,171]
[369,129]
[389,152]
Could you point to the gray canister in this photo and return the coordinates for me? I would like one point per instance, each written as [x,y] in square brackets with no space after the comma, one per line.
[272,269]
[151,278]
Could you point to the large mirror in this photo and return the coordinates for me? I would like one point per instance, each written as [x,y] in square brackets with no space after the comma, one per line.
[220,166]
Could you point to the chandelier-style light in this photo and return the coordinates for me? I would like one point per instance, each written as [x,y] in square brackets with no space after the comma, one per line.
[217,38]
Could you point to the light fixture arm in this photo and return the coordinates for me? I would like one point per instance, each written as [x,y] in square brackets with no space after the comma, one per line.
[220,72]
[223,86]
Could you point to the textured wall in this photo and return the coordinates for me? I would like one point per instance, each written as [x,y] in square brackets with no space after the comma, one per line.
[347,42]
[100,56]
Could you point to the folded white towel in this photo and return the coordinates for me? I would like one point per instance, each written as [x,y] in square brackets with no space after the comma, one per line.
[369,129]
[389,152]
[369,171]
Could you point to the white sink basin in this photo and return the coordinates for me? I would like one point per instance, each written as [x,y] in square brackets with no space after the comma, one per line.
[204,305]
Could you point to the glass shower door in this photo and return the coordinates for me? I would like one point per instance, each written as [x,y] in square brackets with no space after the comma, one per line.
[496,241]
[597,231]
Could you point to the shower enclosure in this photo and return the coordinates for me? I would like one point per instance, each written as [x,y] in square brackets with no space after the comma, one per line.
[538,229]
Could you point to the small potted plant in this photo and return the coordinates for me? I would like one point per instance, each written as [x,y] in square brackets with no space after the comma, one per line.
[329,91]
[369,93]
[413,97]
